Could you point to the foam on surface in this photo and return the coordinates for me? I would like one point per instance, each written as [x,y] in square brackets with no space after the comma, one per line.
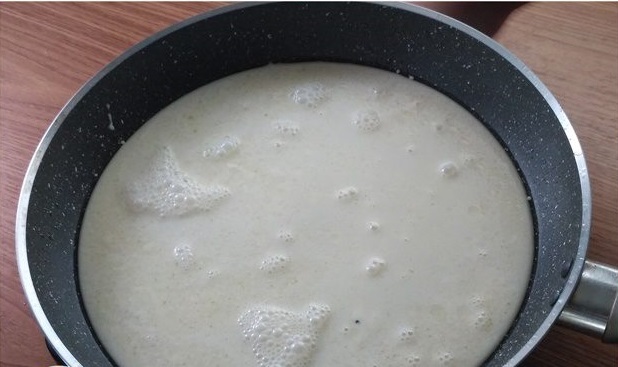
[280,337]
[183,254]
[367,121]
[226,147]
[275,263]
[165,190]
[309,94]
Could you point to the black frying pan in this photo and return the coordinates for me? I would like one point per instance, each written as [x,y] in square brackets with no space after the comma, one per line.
[449,56]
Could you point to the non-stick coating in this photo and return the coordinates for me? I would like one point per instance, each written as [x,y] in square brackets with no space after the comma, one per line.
[440,52]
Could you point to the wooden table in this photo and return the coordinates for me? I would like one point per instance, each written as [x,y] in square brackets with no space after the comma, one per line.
[49,50]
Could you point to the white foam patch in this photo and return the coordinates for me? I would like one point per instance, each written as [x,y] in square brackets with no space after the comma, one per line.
[226,147]
[310,94]
[367,121]
[281,337]
[165,190]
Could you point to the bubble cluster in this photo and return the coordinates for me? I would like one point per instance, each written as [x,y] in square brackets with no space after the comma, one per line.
[413,360]
[483,321]
[286,236]
[445,358]
[449,170]
[481,317]
[286,128]
[166,190]
[281,337]
[274,263]
[183,254]
[226,147]
[376,266]
[406,334]
[367,121]
[310,94]
[347,193]
[478,301]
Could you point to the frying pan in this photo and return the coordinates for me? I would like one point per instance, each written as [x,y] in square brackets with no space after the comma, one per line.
[452,58]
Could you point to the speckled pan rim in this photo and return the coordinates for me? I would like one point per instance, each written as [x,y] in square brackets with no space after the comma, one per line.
[24,198]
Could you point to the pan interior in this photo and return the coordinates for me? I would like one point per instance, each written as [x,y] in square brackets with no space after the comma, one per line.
[440,53]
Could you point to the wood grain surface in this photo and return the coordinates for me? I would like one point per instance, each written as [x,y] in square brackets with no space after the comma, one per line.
[48,50]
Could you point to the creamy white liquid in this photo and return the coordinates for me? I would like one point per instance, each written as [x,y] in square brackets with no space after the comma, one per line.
[307,215]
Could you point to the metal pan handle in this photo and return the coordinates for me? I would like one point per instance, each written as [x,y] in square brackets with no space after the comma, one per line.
[593,307]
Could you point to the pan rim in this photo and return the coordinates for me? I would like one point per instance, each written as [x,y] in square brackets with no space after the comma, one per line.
[31,172]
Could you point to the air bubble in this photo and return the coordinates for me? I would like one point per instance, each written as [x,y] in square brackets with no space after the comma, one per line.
[376,266]
[373,226]
[449,170]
